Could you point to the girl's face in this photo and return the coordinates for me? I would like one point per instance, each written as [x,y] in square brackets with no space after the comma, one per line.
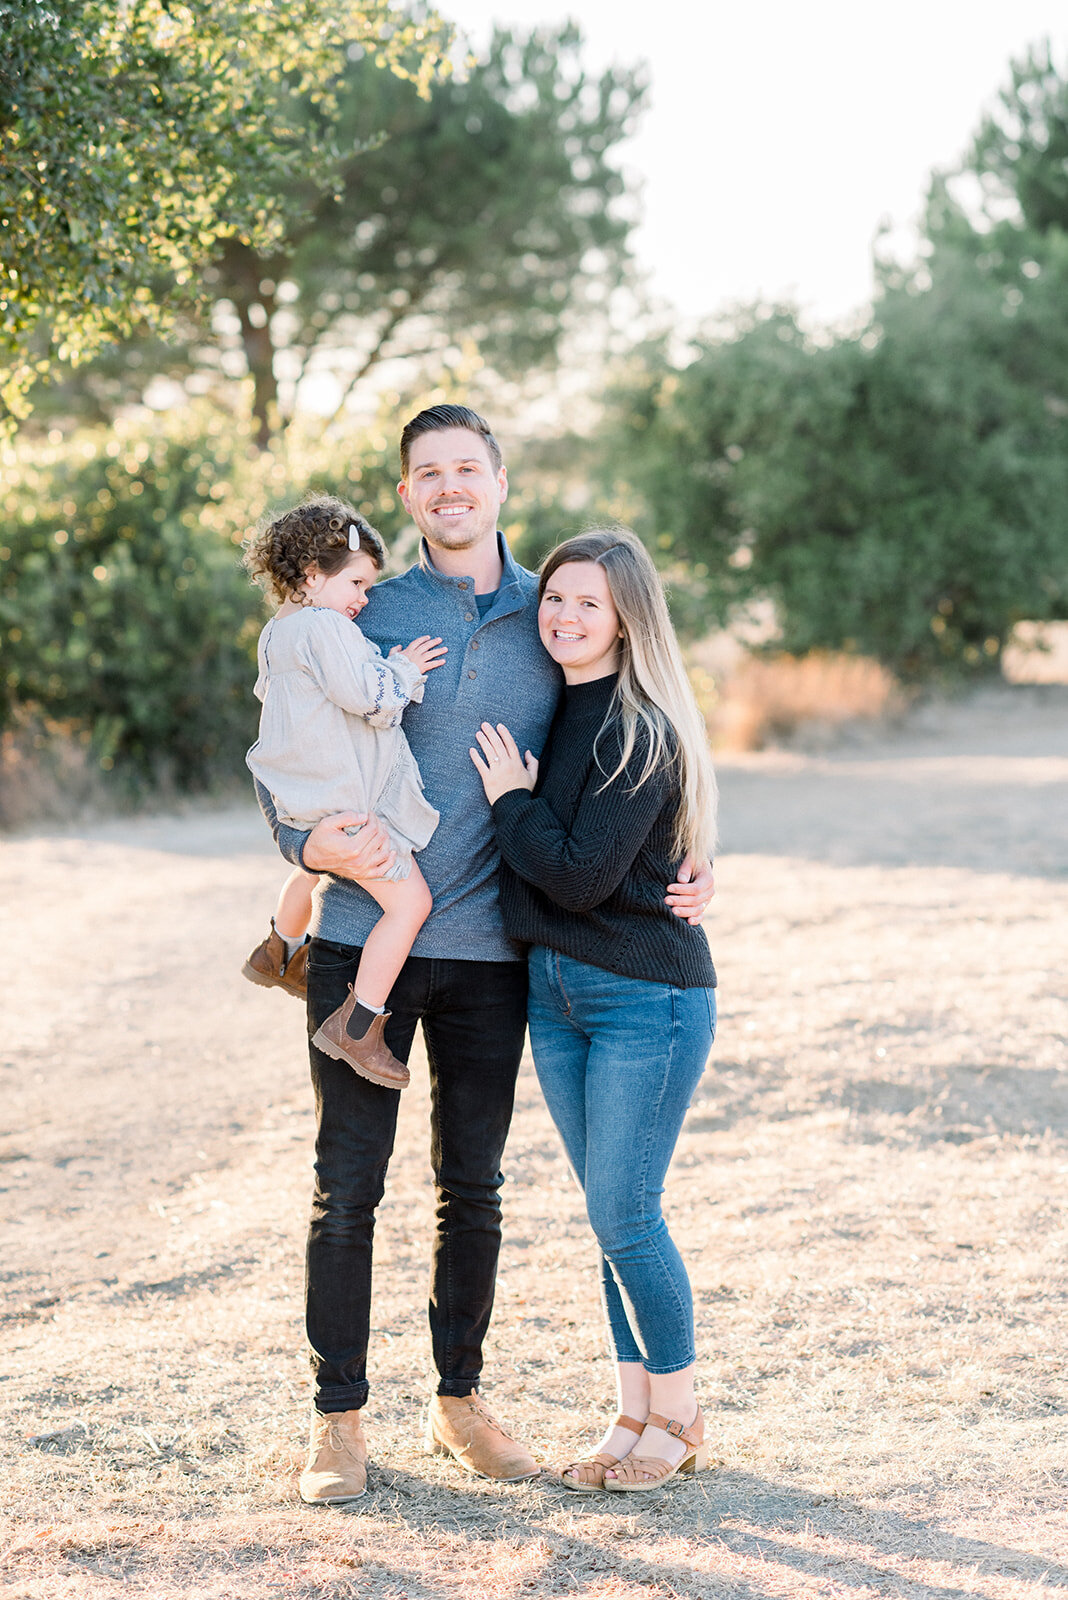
[578,622]
[344,591]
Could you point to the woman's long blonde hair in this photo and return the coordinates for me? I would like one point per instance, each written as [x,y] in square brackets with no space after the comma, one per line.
[653,690]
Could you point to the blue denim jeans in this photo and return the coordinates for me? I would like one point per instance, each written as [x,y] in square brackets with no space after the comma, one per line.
[618,1060]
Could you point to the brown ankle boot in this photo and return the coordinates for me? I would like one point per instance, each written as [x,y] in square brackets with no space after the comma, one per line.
[369,1056]
[268,966]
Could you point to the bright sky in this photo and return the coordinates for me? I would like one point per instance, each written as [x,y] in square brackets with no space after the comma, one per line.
[781,133]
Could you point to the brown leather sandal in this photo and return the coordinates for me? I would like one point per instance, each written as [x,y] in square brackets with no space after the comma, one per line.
[592,1468]
[635,1473]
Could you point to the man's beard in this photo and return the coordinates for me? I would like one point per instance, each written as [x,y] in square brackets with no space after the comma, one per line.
[457,538]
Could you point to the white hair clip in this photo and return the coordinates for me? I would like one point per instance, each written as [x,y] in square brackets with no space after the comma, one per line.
[354,536]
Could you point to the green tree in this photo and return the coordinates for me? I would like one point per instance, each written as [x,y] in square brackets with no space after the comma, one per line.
[465,228]
[904,492]
[135,136]
[477,222]
[1020,152]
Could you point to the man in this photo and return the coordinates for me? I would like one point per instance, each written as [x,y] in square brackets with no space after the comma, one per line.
[464,981]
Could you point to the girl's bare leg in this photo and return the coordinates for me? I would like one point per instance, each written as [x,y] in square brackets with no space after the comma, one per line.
[293,911]
[405,907]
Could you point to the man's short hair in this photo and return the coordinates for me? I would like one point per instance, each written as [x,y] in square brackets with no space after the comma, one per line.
[436,418]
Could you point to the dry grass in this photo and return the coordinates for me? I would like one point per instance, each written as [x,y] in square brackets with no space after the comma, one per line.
[46,772]
[869,1192]
[1037,652]
[752,701]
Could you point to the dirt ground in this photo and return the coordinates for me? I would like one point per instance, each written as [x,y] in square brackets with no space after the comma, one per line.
[870,1192]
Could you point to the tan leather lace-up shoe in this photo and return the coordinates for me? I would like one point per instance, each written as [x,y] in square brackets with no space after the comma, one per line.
[337,1460]
[463,1428]
[267,965]
[369,1055]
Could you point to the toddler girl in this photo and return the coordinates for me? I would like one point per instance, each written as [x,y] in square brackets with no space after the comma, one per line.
[330,741]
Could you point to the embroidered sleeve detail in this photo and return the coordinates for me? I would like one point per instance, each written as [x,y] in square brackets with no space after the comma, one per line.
[354,674]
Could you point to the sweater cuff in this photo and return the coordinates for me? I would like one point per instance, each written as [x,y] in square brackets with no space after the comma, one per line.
[510,802]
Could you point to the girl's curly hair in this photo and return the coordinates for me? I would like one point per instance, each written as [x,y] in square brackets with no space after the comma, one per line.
[280,552]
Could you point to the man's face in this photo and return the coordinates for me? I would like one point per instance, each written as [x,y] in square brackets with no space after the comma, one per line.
[452,492]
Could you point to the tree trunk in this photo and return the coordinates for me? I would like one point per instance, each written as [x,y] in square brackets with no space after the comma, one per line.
[247,276]
[259,353]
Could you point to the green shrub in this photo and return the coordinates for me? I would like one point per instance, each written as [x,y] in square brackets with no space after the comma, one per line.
[125,612]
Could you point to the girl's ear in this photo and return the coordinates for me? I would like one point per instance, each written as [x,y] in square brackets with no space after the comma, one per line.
[313,581]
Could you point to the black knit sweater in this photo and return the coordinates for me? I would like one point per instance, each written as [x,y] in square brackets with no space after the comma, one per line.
[584,869]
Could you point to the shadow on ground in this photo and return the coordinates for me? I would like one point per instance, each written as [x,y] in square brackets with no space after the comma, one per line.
[733,1521]
[885,816]
[927,1105]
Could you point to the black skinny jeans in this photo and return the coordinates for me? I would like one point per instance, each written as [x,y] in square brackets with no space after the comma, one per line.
[473,1015]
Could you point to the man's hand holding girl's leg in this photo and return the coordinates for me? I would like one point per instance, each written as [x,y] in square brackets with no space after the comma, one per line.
[350,844]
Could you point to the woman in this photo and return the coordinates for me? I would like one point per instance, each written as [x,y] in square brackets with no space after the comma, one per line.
[622,1002]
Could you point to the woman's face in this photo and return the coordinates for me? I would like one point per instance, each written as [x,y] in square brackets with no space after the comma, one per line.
[578,623]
